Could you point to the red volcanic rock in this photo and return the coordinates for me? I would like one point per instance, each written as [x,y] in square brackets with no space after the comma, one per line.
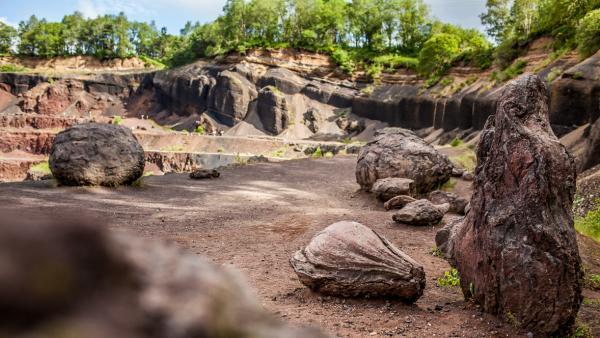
[516,250]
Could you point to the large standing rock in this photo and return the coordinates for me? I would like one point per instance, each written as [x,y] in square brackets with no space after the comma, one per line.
[230,97]
[96,154]
[421,213]
[348,259]
[516,250]
[65,277]
[273,110]
[396,152]
[591,156]
[387,188]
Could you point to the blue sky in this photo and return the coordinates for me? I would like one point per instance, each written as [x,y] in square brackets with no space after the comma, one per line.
[174,13]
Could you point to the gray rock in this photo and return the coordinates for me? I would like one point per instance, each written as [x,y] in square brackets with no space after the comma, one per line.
[99,284]
[387,188]
[230,97]
[398,202]
[421,213]
[313,120]
[516,250]
[273,110]
[350,260]
[96,154]
[283,79]
[591,155]
[396,152]
[457,203]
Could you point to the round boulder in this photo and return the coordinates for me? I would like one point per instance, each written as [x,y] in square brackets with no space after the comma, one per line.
[397,152]
[350,260]
[421,213]
[96,154]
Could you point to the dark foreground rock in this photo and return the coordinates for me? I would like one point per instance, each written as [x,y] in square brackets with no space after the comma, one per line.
[421,213]
[350,260]
[203,174]
[96,154]
[516,250]
[388,188]
[66,276]
[396,152]
[457,203]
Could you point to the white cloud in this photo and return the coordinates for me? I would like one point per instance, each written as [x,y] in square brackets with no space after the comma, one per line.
[4,20]
[93,8]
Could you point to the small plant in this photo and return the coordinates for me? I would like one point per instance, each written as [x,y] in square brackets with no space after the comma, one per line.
[456,142]
[436,252]
[446,81]
[590,224]
[595,303]
[42,167]
[554,73]
[221,150]
[328,154]
[467,160]
[173,148]
[10,68]
[582,331]
[239,160]
[592,281]
[279,152]
[577,76]
[201,130]
[317,153]
[450,279]
[449,185]
[117,120]
[511,319]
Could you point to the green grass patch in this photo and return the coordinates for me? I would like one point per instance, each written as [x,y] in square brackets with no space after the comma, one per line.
[152,63]
[592,281]
[590,224]
[117,120]
[11,68]
[317,153]
[450,279]
[396,61]
[449,185]
[201,130]
[436,252]
[512,71]
[43,167]
[467,160]
[456,142]
[173,148]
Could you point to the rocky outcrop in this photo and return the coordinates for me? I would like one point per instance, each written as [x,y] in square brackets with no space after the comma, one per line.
[96,154]
[387,188]
[230,97]
[272,110]
[421,213]
[396,152]
[104,285]
[516,250]
[350,260]
[203,174]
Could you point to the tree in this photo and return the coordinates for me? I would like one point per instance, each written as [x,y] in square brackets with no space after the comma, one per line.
[7,38]
[438,53]
[496,18]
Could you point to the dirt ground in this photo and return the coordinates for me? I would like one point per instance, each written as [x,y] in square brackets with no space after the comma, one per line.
[255,217]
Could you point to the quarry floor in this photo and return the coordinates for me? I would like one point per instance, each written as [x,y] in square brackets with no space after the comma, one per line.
[256,216]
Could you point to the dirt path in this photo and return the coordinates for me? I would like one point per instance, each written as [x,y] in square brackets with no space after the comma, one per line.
[254,218]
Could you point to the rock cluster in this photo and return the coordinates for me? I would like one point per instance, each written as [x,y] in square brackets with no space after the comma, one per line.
[396,152]
[96,154]
[350,260]
[201,174]
[457,203]
[516,250]
[67,276]
[388,188]
[272,110]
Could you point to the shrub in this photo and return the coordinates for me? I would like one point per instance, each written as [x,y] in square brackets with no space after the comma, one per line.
[456,142]
[588,35]
[201,130]
[396,61]
[317,153]
[438,53]
[10,68]
[342,58]
[42,167]
[450,279]
[510,72]
[117,120]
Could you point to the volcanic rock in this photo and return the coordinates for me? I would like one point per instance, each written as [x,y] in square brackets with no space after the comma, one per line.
[457,203]
[516,250]
[272,110]
[230,97]
[70,275]
[421,213]
[396,152]
[350,260]
[591,157]
[313,119]
[96,154]
[388,188]
[201,174]
[398,202]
